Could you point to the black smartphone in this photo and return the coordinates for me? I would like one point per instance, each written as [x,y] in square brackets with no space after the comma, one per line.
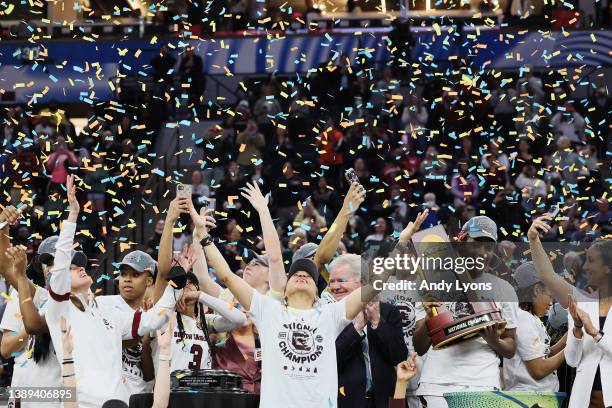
[554,211]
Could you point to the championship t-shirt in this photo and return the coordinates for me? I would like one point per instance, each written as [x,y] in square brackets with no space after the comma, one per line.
[189,348]
[131,357]
[472,362]
[533,342]
[26,372]
[298,352]
[406,302]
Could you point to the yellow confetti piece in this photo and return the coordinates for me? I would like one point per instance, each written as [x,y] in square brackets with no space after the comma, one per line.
[231,199]
[342,391]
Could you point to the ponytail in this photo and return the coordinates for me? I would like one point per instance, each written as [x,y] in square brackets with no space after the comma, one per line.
[199,312]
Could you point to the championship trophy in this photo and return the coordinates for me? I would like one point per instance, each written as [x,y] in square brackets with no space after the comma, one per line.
[463,317]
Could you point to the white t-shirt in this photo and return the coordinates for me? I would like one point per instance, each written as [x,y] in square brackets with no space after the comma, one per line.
[472,362]
[406,302]
[298,353]
[26,372]
[533,342]
[97,330]
[189,351]
[132,356]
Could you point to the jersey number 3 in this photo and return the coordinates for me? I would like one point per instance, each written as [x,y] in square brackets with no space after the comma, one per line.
[197,351]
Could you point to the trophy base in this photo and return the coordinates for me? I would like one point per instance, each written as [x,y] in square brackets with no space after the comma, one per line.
[446,331]
[206,381]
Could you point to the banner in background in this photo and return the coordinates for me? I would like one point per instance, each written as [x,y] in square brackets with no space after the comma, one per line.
[73,71]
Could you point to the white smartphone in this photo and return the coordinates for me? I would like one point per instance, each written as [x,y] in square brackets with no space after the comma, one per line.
[184,190]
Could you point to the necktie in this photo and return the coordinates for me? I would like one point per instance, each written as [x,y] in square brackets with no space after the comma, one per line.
[366,359]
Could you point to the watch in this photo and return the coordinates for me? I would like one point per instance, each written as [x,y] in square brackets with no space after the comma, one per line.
[207,240]
[598,336]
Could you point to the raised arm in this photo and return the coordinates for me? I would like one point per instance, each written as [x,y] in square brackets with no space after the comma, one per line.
[33,322]
[161,392]
[229,317]
[329,244]
[139,323]
[239,288]
[560,287]
[203,223]
[59,281]
[177,207]
[10,215]
[68,378]
[277,276]
[357,300]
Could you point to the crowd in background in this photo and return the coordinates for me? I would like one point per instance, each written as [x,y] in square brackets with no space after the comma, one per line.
[510,146]
[511,151]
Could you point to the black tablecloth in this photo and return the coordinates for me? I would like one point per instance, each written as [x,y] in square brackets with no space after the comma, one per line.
[199,400]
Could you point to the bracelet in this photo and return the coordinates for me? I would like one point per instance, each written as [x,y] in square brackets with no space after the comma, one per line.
[165,357]
[68,375]
[207,240]
[71,361]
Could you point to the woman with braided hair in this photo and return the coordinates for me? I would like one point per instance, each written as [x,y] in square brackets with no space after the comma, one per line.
[191,345]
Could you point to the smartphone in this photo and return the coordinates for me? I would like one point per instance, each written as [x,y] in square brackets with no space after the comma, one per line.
[351,177]
[554,211]
[211,203]
[183,190]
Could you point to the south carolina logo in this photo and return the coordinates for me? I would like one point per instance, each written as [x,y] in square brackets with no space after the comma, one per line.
[300,343]
[408,314]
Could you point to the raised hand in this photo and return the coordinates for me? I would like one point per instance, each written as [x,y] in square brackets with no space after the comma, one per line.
[203,222]
[178,206]
[589,327]
[18,259]
[540,225]
[573,311]
[413,227]
[10,215]
[354,197]
[406,370]
[256,198]
[72,200]
[66,337]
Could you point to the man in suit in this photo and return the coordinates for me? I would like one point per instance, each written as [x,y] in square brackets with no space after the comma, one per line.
[367,350]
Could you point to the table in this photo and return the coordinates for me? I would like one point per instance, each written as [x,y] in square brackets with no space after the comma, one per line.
[187,399]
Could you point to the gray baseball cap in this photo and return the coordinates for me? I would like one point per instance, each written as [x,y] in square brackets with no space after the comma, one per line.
[305,251]
[46,249]
[481,226]
[139,261]
[526,275]
[46,252]
[262,259]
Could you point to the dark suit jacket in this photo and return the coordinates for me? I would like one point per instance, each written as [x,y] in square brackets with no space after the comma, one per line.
[386,349]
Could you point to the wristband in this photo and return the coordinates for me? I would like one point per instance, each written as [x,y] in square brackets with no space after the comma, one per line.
[164,357]
[598,336]
[207,240]
[68,375]
[68,361]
